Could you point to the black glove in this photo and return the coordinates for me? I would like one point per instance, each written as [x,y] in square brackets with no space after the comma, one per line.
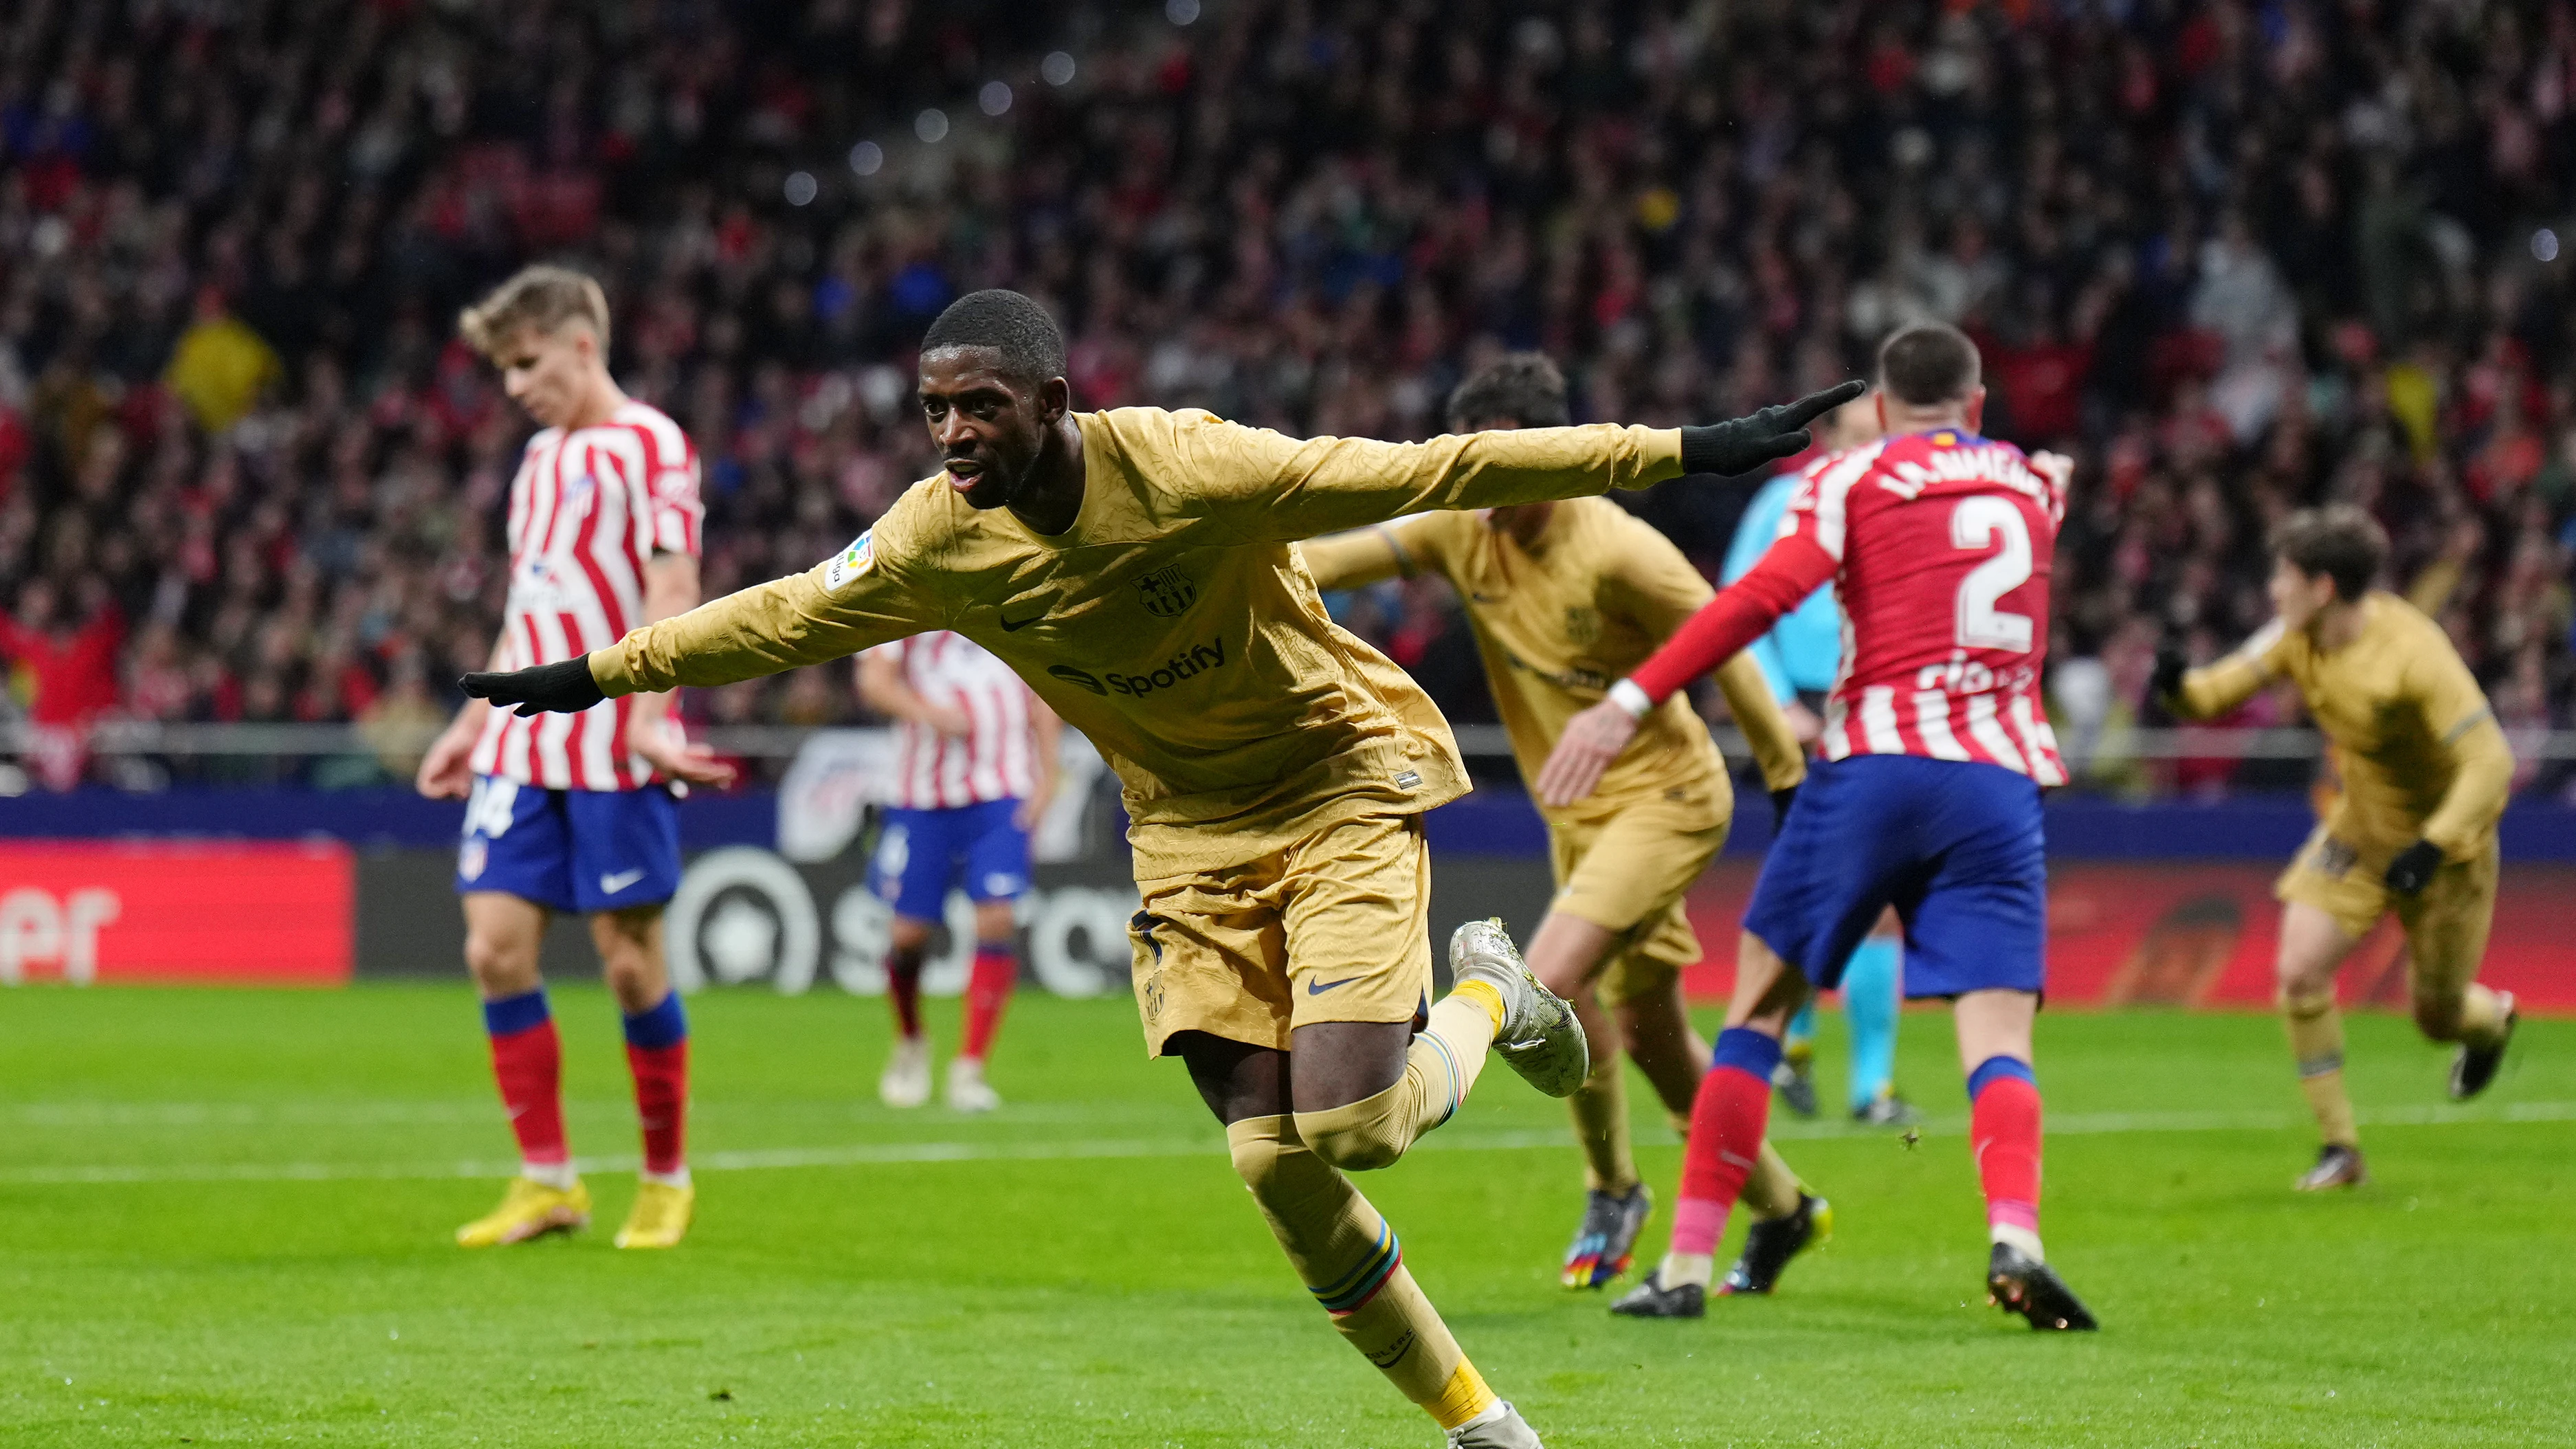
[1781,800]
[565,688]
[2165,687]
[1775,432]
[2413,868]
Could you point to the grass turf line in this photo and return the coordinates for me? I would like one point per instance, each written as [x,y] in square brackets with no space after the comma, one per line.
[998,1296]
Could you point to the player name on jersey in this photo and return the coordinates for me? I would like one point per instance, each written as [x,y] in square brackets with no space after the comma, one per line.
[1942,543]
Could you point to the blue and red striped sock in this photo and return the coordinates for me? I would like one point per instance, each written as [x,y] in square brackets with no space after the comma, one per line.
[1728,1118]
[657,1055]
[527,1062]
[2004,1129]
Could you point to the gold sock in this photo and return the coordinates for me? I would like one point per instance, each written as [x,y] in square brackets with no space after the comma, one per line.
[1439,1069]
[2481,1016]
[1600,1109]
[2316,1044]
[1770,1189]
[1350,1260]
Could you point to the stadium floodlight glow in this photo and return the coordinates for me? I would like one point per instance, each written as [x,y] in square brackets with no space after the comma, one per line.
[931,126]
[1180,12]
[801,188]
[2544,244]
[1056,69]
[995,97]
[867,158]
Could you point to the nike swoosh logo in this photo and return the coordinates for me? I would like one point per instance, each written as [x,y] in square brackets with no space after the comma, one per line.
[1318,988]
[1013,626]
[610,885]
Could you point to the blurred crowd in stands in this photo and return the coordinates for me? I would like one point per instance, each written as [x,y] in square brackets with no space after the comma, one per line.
[2234,255]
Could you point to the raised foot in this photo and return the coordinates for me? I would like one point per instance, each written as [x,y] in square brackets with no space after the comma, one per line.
[1540,1037]
[2475,1067]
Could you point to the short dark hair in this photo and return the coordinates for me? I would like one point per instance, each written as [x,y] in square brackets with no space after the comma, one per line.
[1928,363]
[1522,387]
[2339,540]
[1032,346]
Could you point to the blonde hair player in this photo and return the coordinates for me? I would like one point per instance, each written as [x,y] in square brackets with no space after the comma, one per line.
[578,813]
[1566,597]
[2425,774]
[1134,567]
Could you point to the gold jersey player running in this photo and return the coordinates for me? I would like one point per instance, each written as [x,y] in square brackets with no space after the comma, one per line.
[1134,567]
[1565,598]
[2425,774]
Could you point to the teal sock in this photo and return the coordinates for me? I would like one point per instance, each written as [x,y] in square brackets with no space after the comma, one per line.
[1870,989]
[1800,1039]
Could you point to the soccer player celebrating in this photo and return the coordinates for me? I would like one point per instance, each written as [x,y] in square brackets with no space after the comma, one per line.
[1566,597]
[1134,567]
[2425,774]
[578,812]
[974,766]
[1938,542]
[1800,658]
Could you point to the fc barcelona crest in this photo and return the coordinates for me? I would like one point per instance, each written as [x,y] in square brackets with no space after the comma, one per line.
[1166,592]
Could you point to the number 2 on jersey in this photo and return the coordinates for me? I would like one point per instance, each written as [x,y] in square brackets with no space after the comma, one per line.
[1977,523]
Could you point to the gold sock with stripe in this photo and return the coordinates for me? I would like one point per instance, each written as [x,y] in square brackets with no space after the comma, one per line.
[1350,1259]
[1440,1068]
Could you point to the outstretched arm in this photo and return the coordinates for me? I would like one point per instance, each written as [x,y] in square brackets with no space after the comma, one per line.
[2214,689]
[835,609]
[1793,569]
[1279,490]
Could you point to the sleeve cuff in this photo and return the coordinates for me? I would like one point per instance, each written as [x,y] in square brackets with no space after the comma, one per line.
[608,670]
[1629,697]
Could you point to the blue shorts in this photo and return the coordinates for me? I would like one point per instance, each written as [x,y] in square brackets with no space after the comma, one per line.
[1956,847]
[921,854]
[571,850]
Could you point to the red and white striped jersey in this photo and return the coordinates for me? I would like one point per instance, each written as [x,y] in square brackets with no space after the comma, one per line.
[587,509]
[996,760]
[1941,543]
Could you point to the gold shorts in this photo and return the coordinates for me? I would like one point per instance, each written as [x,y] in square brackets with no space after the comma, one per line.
[1628,873]
[1335,927]
[2446,924]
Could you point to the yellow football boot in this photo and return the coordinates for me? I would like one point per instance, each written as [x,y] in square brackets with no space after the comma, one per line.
[660,1217]
[529,1209]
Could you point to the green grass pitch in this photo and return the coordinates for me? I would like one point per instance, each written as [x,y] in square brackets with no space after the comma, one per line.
[226,1220]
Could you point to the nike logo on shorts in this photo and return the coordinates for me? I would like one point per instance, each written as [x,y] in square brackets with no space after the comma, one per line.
[1318,988]
[1013,626]
[610,885]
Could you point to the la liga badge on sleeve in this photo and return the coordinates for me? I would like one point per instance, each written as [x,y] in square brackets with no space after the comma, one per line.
[851,562]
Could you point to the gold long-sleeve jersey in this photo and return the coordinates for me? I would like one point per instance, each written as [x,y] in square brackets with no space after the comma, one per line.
[1561,621]
[1171,623]
[2420,750]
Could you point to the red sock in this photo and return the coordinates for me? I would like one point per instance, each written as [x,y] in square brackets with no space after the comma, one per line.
[661,1101]
[988,991]
[528,1063]
[903,988]
[2003,1127]
[1728,1118]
